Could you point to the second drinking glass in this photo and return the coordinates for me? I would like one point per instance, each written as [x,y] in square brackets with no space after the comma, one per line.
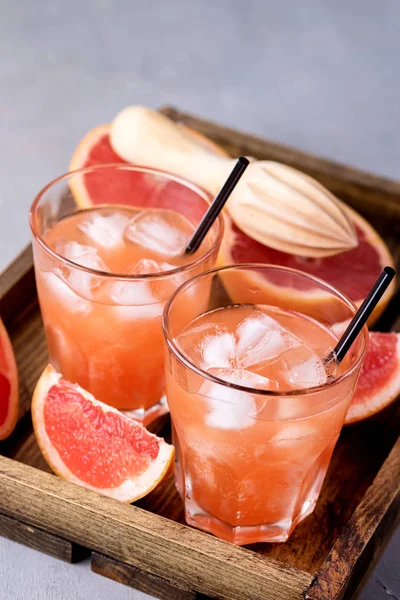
[255,414]
[105,272]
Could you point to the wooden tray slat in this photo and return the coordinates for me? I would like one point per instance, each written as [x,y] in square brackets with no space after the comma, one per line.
[17,286]
[356,552]
[150,584]
[148,542]
[41,540]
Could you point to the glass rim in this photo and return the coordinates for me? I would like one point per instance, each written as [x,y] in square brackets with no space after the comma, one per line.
[260,392]
[219,221]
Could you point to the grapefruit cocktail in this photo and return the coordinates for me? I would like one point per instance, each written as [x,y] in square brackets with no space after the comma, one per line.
[104,274]
[256,415]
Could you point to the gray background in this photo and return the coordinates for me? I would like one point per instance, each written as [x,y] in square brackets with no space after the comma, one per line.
[319,75]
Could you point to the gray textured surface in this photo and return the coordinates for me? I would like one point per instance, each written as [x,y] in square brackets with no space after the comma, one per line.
[319,75]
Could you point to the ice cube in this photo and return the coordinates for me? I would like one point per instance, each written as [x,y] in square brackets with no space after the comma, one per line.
[232,409]
[304,369]
[260,338]
[219,350]
[142,291]
[165,266]
[134,300]
[67,299]
[81,282]
[141,298]
[83,255]
[132,293]
[245,378]
[146,266]
[208,345]
[131,314]
[165,287]
[162,287]
[294,432]
[106,231]
[163,231]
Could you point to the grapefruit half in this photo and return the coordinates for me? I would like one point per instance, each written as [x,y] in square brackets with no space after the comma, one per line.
[95,149]
[94,445]
[379,381]
[352,272]
[9,406]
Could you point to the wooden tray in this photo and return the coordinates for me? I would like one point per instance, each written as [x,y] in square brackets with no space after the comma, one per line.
[147,545]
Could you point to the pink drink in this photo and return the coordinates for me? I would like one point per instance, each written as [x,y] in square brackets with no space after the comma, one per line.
[104,275]
[256,419]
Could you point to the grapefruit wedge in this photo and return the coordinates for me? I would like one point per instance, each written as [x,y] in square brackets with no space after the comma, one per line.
[9,406]
[94,445]
[379,381]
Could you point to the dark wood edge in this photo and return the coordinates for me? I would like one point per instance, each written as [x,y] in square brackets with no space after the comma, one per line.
[176,553]
[361,189]
[17,286]
[137,579]
[41,540]
[359,546]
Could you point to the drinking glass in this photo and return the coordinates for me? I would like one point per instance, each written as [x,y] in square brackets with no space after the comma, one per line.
[114,349]
[250,462]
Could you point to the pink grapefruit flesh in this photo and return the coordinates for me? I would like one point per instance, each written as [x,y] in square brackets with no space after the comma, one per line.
[379,381]
[124,187]
[353,272]
[9,406]
[94,445]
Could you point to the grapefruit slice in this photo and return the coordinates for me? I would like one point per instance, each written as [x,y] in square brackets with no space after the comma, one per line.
[352,272]
[9,406]
[379,381]
[94,445]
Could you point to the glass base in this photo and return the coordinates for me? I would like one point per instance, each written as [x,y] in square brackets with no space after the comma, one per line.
[147,415]
[244,535]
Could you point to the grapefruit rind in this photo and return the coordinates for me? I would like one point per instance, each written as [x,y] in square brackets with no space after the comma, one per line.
[89,141]
[86,144]
[130,490]
[9,370]
[309,298]
[79,160]
[374,403]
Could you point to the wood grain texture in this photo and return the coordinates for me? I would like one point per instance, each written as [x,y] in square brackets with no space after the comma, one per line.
[358,547]
[19,310]
[142,540]
[41,540]
[149,584]
[29,343]
[17,286]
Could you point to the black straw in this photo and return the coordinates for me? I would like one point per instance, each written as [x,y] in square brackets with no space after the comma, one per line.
[360,318]
[217,205]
